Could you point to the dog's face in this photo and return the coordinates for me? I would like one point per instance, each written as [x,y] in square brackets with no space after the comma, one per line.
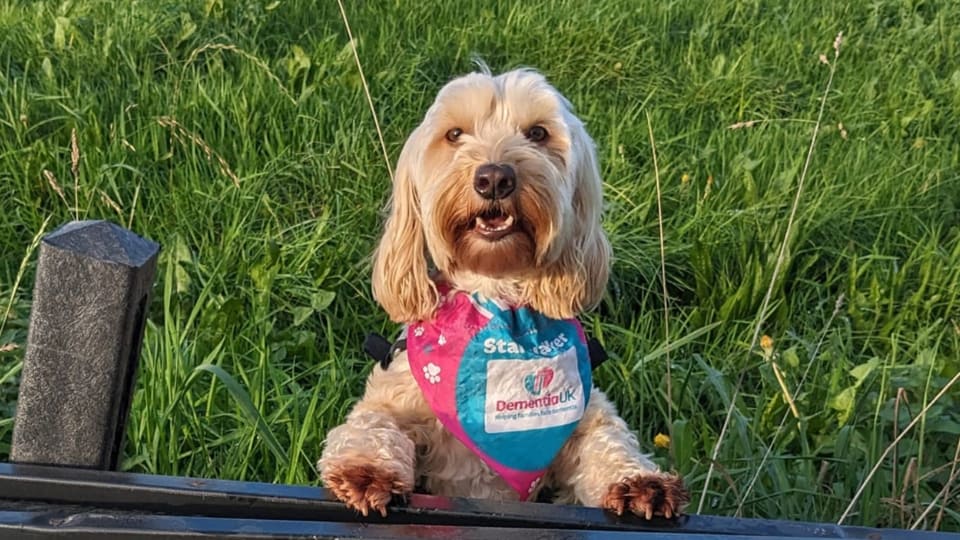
[498,182]
[494,177]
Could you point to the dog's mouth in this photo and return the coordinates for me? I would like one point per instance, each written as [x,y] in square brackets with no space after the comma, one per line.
[494,224]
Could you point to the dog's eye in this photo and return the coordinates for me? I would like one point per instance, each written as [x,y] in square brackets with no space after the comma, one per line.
[454,134]
[537,134]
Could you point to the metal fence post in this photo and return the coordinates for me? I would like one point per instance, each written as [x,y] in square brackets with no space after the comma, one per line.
[86,325]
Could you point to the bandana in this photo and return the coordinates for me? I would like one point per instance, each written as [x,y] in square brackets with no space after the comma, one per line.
[508,382]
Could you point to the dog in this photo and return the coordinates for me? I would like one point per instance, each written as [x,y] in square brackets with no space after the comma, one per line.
[492,246]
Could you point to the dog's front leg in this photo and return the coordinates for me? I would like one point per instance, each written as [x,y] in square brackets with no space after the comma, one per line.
[601,465]
[370,458]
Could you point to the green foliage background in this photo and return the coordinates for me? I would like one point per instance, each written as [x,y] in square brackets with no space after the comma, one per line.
[236,134]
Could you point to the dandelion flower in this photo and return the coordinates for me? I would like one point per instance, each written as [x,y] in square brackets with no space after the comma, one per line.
[661,441]
[766,343]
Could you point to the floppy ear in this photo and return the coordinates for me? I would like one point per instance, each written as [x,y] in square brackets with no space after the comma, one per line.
[577,281]
[591,241]
[401,279]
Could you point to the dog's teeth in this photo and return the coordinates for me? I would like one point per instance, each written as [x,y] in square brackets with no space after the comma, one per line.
[504,225]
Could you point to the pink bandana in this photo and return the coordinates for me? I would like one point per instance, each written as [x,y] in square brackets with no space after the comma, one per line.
[510,383]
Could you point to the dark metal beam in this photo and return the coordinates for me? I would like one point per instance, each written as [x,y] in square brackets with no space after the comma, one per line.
[122,494]
[65,522]
[25,522]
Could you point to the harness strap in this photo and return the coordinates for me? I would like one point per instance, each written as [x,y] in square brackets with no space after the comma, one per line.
[598,354]
[381,350]
[378,348]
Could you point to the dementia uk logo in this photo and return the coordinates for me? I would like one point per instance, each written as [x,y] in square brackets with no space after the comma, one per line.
[533,394]
[536,382]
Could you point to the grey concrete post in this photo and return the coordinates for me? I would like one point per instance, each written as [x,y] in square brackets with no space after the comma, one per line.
[86,325]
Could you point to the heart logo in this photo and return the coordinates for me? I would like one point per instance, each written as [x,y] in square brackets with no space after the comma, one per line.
[536,382]
[546,376]
[529,382]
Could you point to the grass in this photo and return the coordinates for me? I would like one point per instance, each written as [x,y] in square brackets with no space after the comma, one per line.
[238,136]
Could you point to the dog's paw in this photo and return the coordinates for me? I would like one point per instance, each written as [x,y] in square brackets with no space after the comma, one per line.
[647,495]
[363,487]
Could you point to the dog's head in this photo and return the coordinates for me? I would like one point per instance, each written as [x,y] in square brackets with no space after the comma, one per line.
[498,185]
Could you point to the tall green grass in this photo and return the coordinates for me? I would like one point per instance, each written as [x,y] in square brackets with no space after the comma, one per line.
[237,135]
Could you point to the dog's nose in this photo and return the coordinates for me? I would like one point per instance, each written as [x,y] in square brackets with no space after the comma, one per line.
[494,181]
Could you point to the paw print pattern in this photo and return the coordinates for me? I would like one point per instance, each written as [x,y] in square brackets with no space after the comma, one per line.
[418,331]
[441,340]
[431,372]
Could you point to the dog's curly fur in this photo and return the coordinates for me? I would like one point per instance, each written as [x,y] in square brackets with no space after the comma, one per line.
[552,256]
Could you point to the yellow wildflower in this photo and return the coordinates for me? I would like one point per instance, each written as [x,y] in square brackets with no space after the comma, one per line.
[766,343]
[661,441]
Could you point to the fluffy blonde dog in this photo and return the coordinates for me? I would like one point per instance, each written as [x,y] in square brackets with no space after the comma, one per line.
[497,192]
